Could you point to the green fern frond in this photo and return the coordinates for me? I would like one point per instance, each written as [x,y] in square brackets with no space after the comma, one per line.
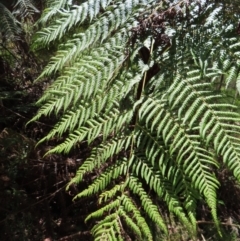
[92,129]
[53,6]
[131,207]
[147,203]
[120,168]
[108,229]
[64,56]
[99,156]
[97,32]
[110,206]
[215,125]
[131,223]
[163,188]
[111,193]
[149,94]
[23,8]
[75,15]
[9,26]
[231,75]
[84,79]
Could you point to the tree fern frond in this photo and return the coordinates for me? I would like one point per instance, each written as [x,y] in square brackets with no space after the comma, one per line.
[83,80]
[75,119]
[232,75]
[163,188]
[130,207]
[9,26]
[215,125]
[23,8]
[93,129]
[110,228]
[110,206]
[147,203]
[53,6]
[148,92]
[70,53]
[98,31]
[238,83]
[111,193]
[99,156]
[72,17]
[131,223]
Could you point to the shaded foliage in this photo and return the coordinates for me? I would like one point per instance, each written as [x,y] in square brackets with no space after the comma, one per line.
[33,202]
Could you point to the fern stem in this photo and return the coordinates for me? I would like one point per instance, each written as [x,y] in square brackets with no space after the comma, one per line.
[145,74]
[143,86]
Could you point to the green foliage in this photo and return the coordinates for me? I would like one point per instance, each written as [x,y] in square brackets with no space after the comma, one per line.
[147,81]
[24,8]
[9,26]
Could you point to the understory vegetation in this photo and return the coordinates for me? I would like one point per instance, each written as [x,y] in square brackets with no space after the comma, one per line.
[135,131]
